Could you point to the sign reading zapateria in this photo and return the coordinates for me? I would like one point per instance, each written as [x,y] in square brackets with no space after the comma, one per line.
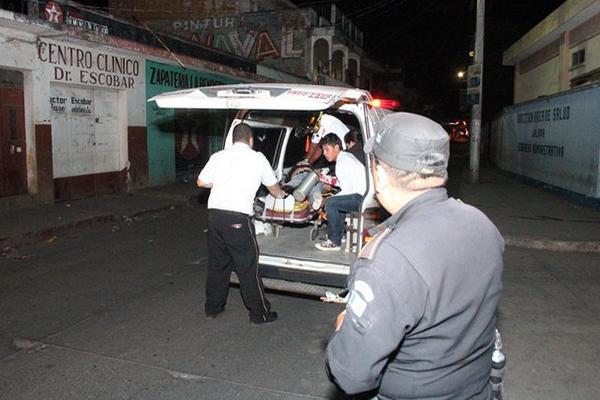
[70,64]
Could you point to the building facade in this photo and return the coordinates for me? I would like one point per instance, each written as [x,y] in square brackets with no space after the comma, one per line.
[551,133]
[74,84]
[560,53]
[317,44]
[75,118]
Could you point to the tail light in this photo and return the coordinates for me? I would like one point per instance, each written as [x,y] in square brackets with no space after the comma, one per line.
[388,104]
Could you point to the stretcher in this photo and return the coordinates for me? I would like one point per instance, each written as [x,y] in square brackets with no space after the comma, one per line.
[300,214]
[278,212]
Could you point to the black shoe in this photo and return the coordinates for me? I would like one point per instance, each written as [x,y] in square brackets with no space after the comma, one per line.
[212,315]
[267,318]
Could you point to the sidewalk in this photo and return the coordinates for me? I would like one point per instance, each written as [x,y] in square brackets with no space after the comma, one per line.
[527,216]
[532,217]
[41,222]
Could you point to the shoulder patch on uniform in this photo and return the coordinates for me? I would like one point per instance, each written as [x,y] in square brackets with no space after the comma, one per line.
[365,290]
[361,295]
[357,304]
[370,248]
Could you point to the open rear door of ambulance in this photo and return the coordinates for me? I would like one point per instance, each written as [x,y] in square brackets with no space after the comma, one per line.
[270,96]
[290,256]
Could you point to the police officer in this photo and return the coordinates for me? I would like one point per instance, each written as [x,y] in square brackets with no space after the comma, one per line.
[421,313]
[234,175]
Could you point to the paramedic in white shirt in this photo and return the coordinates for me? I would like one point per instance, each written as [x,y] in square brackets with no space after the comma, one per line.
[234,175]
[351,178]
[326,124]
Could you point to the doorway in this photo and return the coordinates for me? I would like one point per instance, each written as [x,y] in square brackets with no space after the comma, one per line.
[13,158]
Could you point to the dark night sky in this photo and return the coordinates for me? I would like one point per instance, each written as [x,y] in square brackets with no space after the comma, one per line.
[431,40]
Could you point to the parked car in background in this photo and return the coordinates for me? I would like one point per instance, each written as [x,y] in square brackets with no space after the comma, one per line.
[458,129]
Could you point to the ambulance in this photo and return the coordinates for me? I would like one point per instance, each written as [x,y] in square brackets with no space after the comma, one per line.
[284,117]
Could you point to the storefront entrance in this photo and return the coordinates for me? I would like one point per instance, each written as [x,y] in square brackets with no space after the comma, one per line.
[13,158]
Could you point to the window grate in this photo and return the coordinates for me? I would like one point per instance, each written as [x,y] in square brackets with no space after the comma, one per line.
[578,58]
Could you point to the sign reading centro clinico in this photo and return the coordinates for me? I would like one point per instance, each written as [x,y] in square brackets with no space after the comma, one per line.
[72,64]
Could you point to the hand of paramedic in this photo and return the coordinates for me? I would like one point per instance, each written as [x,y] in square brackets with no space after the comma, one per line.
[276,191]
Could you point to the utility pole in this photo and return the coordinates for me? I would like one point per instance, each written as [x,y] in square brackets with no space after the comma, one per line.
[476,82]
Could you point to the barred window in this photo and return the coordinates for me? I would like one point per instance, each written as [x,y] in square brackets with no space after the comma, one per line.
[578,58]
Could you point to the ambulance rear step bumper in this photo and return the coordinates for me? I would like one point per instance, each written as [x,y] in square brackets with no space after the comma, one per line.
[302,288]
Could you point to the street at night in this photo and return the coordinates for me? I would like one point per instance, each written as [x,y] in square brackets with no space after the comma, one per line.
[115,310]
[299,199]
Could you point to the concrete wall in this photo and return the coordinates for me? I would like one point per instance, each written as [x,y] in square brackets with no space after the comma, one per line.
[84,141]
[586,36]
[542,80]
[88,74]
[543,56]
[592,55]
[86,126]
[555,140]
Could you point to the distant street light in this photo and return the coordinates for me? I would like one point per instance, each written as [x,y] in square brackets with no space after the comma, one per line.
[460,74]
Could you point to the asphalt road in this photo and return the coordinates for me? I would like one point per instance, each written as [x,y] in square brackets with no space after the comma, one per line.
[116,312]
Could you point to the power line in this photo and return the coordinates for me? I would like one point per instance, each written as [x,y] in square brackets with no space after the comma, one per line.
[368,9]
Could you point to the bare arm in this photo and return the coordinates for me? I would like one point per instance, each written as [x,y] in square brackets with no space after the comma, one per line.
[313,153]
[276,191]
[202,184]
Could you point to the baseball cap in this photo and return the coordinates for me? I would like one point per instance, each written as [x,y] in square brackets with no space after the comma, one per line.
[411,142]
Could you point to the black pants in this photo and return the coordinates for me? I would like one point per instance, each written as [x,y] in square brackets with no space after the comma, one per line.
[232,247]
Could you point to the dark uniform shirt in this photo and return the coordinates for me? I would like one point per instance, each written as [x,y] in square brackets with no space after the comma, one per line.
[420,318]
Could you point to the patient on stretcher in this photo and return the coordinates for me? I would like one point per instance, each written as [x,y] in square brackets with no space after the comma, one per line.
[308,189]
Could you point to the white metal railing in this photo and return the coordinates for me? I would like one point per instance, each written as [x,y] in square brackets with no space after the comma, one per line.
[331,15]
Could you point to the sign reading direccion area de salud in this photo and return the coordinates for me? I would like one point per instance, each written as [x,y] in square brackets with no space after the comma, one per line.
[77,65]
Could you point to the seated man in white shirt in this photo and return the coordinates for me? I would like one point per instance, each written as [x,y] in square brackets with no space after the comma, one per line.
[326,124]
[351,179]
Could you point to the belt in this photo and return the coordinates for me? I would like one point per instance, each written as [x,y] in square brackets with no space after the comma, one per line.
[229,212]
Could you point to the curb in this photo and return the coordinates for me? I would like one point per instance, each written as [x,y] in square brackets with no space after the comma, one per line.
[186,199]
[552,245]
[30,237]
[47,233]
